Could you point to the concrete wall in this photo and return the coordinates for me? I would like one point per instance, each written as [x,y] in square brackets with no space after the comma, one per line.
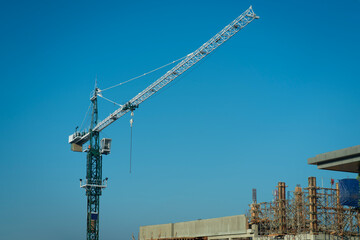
[207,227]
[156,231]
[319,236]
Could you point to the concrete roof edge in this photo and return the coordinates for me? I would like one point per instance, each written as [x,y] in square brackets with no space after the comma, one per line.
[337,154]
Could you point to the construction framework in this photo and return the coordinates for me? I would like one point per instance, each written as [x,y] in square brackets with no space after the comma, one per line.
[310,210]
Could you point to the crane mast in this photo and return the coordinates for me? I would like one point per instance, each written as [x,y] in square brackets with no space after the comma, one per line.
[94,182]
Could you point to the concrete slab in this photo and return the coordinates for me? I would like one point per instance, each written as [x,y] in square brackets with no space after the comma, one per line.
[344,160]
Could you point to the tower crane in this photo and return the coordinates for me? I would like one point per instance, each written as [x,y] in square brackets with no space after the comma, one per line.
[94,182]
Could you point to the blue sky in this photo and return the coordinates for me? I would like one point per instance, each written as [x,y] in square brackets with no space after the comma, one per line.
[282,90]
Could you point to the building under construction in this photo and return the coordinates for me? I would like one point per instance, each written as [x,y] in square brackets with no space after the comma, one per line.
[306,213]
[312,211]
[309,213]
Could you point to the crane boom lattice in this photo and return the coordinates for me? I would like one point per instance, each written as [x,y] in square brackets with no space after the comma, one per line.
[225,34]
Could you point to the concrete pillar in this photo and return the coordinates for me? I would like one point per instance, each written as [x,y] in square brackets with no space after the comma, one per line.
[312,205]
[282,207]
[299,209]
[339,214]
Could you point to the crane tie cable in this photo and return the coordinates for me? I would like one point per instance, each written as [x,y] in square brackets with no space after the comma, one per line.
[86,114]
[115,103]
[144,74]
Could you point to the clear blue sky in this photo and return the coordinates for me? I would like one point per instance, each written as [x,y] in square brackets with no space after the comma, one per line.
[282,90]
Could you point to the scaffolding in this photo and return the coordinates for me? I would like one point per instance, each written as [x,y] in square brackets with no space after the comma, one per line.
[310,210]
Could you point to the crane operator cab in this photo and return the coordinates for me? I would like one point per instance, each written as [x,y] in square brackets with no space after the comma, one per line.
[105,146]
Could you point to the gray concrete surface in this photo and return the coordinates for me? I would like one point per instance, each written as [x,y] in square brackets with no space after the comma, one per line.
[344,160]
[319,236]
[207,227]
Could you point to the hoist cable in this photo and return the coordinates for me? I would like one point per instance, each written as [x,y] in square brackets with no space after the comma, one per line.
[130,146]
[131,126]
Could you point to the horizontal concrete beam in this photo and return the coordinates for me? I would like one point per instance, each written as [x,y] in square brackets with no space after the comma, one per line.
[344,160]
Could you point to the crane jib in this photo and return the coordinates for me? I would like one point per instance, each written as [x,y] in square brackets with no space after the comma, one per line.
[191,59]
